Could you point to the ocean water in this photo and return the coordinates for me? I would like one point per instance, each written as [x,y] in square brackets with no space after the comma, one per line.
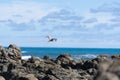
[76,53]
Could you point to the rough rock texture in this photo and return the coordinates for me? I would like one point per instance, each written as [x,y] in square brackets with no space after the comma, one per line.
[2,78]
[64,67]
[28,77]
[109,70]
[14,52]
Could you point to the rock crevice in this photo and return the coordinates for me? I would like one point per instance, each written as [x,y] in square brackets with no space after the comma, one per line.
[64,67]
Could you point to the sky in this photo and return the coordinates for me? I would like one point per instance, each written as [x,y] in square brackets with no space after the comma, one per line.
[75,23]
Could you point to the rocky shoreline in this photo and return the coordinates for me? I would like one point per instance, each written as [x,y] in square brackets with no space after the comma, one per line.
[64,67]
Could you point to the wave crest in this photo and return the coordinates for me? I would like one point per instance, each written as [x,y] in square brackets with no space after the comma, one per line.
[26,57]
[85,56]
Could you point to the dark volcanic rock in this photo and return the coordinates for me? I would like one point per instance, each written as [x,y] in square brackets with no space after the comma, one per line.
[3,52]
[49,77]
[28,77]
[115,56]
[14,52]
[47,58]
[109,70]
[89,64]
[64,67]
[66,61]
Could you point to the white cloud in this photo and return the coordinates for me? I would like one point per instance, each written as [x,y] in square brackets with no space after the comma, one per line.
[61,17]
[90,20]
[33,21]
[26,10]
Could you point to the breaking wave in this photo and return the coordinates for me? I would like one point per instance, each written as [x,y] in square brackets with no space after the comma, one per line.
[26,57]
[85,56]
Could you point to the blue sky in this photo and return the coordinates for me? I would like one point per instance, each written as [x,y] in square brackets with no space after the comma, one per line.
[76,23]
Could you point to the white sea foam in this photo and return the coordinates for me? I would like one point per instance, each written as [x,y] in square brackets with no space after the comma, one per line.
[85,56]
[26,57]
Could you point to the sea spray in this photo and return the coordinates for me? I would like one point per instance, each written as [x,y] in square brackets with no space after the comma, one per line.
[26,57]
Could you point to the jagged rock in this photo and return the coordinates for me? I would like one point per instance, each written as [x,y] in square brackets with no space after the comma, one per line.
[115,56]
[4,67]
[66,61]
[79,64]
[3,52]
[89,64]
[49,77]
[35,60]
[28,77]
[12,67]
[46,58]
[64,57]
[13,46]
[100,59]
[14,52]
[92,71]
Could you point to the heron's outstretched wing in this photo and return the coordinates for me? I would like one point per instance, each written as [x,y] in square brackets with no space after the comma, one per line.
[51,39]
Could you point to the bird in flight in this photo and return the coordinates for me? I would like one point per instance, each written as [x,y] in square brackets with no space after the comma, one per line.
[51,39]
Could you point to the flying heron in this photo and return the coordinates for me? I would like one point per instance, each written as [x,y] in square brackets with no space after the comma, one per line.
[51,39]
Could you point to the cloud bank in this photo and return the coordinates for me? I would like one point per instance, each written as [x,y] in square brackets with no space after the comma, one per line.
[29,23]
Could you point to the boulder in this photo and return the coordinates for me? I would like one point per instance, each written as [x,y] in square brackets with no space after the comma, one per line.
[64,56]
[79,64]
[106,76]
[3,52]
[47,58]
[34,59]
[92,71]
[66,61]
[12,67]
[62,74]
[109,70]
[13,46]
[89,64]
[14,52]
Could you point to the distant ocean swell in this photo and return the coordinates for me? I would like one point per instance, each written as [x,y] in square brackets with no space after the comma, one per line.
[82,56]
[76,53]
[86,56]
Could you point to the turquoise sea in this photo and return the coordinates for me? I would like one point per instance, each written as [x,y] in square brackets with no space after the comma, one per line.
[76,53]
